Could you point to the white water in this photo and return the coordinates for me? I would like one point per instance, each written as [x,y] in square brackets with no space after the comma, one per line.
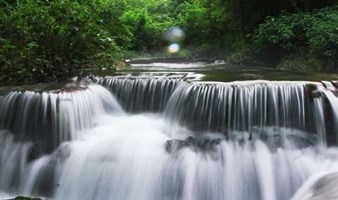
[165,66]
[126,156]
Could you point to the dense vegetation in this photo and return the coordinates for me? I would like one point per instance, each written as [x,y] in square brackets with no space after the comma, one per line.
[46,39]
[300,41]
[292,34]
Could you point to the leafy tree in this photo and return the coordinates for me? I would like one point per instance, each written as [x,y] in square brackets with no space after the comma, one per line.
[43,40]
[311,34]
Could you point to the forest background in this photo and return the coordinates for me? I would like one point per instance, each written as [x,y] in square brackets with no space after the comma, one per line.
[44,40]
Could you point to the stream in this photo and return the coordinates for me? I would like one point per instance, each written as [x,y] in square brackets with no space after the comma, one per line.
[172,129]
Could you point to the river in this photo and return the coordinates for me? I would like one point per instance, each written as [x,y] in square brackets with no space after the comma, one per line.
[173,129]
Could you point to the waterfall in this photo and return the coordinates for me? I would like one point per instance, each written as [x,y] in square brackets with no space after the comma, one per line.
[169,137]
[142,93]
[245,106]
[51,118]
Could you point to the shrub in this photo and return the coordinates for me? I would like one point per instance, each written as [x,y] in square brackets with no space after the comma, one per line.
[42,40]
[308,34]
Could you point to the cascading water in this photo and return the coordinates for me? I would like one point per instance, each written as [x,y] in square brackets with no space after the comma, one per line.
[239,106]
[52,118]
[142,93]
[193,140]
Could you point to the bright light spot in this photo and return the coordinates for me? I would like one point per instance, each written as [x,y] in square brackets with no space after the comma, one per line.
[174,34]
[173,48]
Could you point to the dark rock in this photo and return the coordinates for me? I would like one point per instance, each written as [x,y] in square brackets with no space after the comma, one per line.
[196,144]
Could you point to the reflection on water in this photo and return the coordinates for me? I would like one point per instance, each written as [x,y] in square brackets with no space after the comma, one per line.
[220,70]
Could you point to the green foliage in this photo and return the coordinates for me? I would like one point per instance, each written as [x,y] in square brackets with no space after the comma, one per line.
[224,24]
[301,63]
[43,40]
[305,34]
[250,13]
[46,39]
[191,18]
[146,21]
[209,23]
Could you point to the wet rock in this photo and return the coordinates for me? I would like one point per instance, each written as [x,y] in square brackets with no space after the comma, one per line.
[196,144]
[313,92]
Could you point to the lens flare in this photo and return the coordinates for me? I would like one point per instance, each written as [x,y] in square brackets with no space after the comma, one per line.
[174,34]
[173,48]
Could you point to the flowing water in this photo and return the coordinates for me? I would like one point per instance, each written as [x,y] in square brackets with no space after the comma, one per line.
[171,135]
